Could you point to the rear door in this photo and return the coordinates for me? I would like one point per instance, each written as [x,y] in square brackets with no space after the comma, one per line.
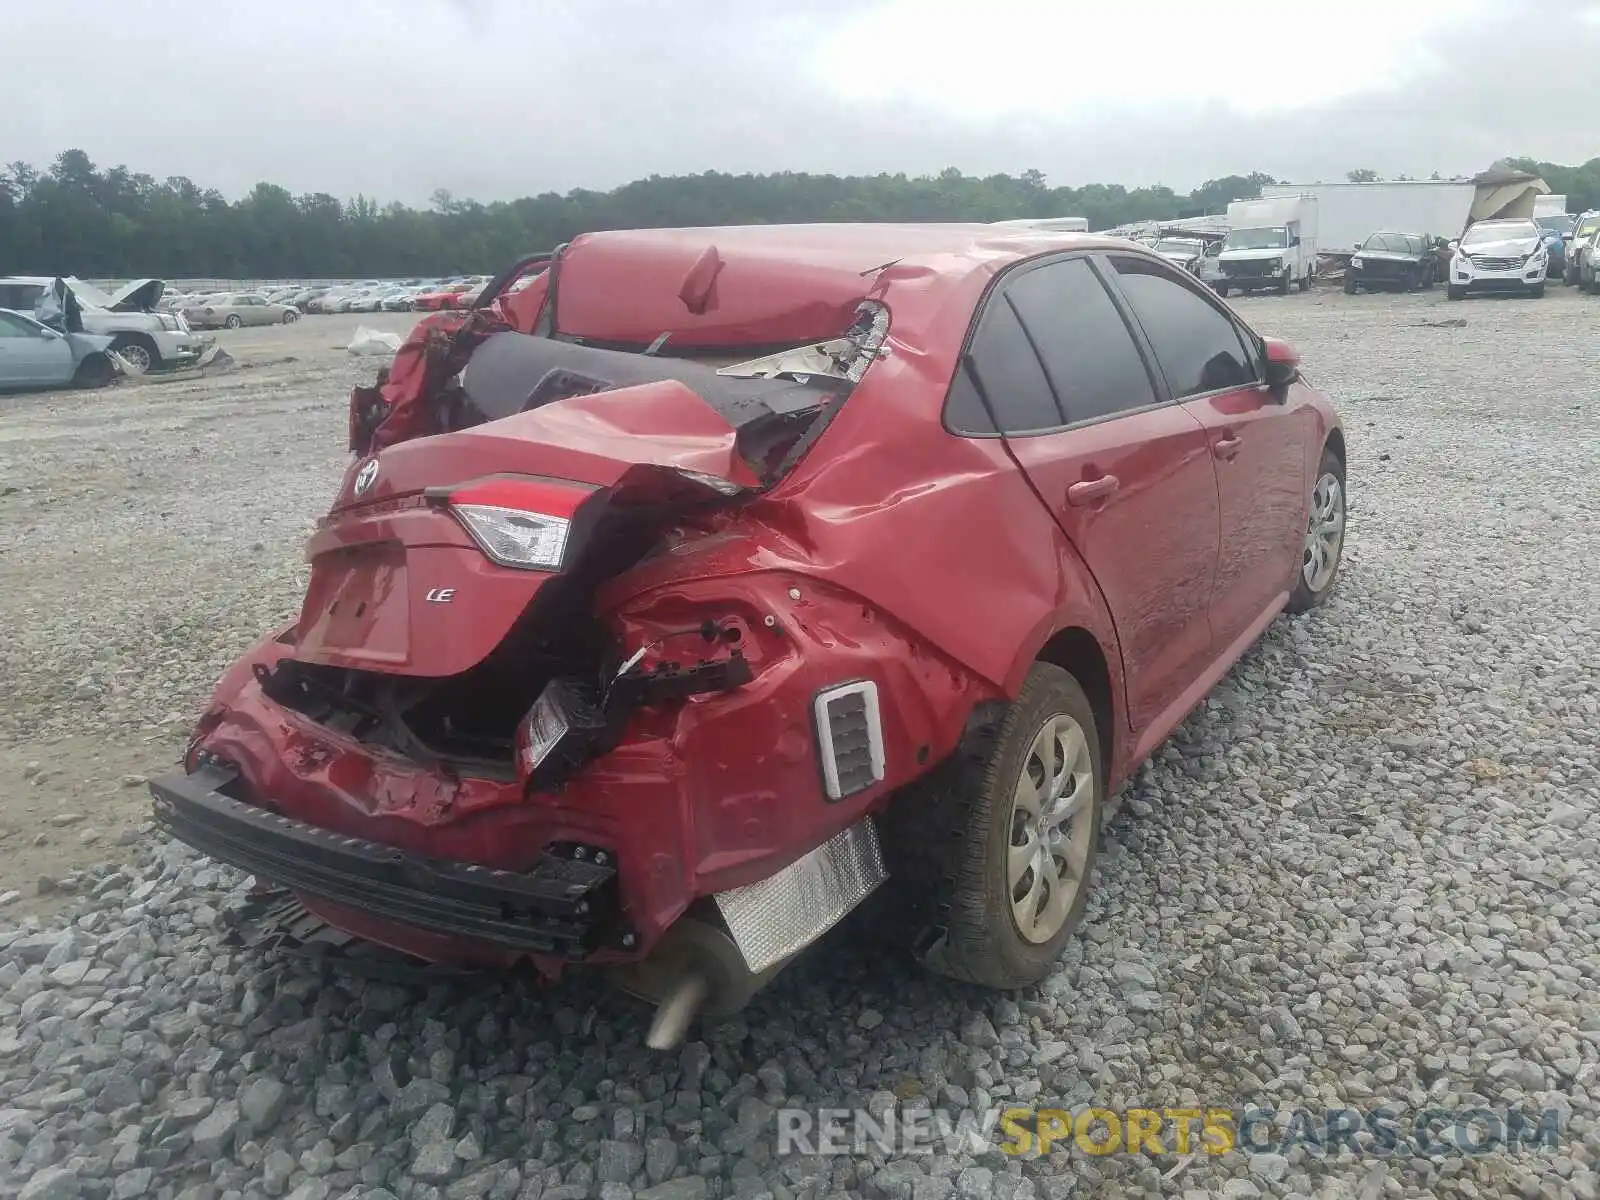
[30,356]
[1258,439]
[1055,370]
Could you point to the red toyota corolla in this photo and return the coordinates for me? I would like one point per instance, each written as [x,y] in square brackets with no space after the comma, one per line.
[678,599]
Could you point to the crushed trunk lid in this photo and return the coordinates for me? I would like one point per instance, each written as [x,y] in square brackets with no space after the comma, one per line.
[400,585]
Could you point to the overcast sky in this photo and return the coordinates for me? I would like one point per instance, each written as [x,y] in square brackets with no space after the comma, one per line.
[494,99]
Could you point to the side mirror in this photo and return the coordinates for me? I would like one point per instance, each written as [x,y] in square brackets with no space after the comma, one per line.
[1283,364]
[1453,245]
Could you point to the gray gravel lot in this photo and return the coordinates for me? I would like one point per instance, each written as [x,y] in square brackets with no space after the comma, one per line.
[1361,874]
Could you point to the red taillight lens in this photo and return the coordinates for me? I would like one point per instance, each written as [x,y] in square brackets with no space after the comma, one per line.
[522,523]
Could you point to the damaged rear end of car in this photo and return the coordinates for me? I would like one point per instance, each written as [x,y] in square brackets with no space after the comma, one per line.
[569,684]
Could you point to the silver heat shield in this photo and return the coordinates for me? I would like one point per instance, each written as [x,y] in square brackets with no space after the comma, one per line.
[784,913]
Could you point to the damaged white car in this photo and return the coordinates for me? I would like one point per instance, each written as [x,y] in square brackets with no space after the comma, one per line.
[35,356]
[145,339]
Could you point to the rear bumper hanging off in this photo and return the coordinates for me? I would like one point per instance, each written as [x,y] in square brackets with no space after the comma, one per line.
[563,906]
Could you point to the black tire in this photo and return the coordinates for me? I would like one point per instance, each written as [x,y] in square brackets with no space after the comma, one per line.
[982,943]
[1452,292]
[1309,594]
[1304,283]
[1283,284]
[290,316]
[95,371]
[1350,285]
[1413,281]
[1536,292]
[1222,289]
[234,321]
[139,350]
[1429,278]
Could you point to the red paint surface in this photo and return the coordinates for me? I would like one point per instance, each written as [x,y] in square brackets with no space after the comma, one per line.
[921,560]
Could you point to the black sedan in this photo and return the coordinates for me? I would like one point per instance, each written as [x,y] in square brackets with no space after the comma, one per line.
[1393,261]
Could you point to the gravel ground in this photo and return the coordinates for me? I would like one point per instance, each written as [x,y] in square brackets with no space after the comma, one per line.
[1356,876]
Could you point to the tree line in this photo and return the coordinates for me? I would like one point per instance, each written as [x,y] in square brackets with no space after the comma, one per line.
[73,217]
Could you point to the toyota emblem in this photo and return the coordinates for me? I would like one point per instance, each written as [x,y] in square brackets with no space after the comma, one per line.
[366,477]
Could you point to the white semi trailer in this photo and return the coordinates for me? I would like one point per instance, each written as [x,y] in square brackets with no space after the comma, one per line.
[1351,212]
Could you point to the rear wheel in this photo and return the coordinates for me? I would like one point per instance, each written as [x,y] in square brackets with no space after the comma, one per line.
[290,316]
[1324,543]
[1018,885]
[234,321]
[1305,282]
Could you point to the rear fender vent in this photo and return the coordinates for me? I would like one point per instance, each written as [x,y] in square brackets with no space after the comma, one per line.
[849,738]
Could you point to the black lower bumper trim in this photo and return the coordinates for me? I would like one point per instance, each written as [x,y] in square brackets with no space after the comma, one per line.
[563,905]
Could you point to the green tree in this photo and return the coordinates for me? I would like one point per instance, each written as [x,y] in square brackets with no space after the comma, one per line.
[77,218]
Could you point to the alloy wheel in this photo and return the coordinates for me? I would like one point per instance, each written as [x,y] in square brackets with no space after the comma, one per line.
[1324,532]
[1052,821]
[136,356]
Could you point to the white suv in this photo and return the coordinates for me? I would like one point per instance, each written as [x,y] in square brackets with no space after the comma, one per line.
[143,338]
[1502,255]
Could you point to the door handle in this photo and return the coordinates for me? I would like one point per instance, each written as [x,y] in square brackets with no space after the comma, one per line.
[1226,446]
[1090,490]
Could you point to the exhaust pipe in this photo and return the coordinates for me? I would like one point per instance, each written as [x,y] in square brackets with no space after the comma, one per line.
[695,970]
[677,1011]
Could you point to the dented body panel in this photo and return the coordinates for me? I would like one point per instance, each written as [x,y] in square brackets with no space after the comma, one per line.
[733,547]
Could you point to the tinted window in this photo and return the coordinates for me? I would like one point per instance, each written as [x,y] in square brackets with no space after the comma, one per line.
[1197,345]
[965,413]
[21,296]
[1009,372]
[1088,353]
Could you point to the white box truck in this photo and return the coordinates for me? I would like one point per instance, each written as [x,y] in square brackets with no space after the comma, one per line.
[1271,245]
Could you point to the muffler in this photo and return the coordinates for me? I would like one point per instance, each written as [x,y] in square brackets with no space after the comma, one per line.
[714,963]
[695,969]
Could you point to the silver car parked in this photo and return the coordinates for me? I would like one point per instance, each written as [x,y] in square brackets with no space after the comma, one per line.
[35,356]
[233,309]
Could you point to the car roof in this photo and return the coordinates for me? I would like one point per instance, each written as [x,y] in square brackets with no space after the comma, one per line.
[777,284]
[956,248]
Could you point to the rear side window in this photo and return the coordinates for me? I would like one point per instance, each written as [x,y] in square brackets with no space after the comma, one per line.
[1088,353]
[1198,345]
[20,296]
[1011,377]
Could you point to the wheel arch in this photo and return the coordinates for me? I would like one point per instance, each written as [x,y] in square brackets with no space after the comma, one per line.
[1079,653]
[1335,443]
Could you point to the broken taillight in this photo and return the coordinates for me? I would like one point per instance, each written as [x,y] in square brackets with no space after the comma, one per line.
[519,522]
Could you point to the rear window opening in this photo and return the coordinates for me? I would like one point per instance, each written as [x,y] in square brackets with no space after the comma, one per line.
[777,402]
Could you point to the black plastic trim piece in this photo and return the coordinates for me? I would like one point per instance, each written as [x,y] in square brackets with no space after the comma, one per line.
[561,906]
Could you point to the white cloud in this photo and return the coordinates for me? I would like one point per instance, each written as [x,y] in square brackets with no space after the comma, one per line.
[1077,59]
[495,99]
